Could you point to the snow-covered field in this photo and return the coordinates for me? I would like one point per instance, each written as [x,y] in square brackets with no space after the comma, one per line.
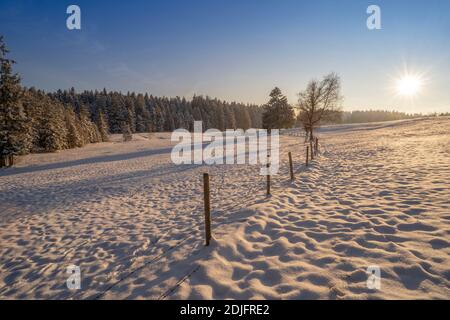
[379,194]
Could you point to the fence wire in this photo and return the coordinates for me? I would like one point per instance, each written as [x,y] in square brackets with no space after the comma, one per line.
[254,186]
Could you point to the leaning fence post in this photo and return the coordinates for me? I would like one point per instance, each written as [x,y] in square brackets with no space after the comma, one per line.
[268,174]
[207,208]
[291,168]
[307,155]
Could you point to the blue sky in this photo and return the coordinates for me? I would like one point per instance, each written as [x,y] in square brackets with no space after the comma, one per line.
[235,49]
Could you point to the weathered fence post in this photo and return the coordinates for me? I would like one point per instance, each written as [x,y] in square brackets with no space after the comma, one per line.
[291,168]
[207,208]
[11,160]
[307,155]
[268,175]
[317,146]
[2,161]
[312,150]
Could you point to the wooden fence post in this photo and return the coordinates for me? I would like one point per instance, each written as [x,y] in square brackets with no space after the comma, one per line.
[307,155]
[268,175]
[207,208]
[317,146]
[11,160]
[312,150]
[2,161]
[291,168]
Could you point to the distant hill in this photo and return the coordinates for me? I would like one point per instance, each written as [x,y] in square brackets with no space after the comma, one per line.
[362,116]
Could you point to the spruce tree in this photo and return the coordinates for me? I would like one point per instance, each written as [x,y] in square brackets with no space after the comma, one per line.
[52,132]
[73,138]
[278,113]
[230,119]
[88,133]
[126,132]
[102,126]
[242,116]
[14,128]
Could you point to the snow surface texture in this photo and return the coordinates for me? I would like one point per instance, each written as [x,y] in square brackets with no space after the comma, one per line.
[378,194]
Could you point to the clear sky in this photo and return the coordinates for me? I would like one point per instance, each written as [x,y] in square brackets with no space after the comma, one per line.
[235,49]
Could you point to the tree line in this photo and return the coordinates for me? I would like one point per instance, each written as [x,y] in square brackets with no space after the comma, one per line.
[137,112]
[35,121]
[361,116]
[32,120]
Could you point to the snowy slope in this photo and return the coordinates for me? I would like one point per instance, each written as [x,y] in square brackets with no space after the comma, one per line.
[133,221]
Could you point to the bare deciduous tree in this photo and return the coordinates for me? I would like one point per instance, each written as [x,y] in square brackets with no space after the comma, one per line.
[320,101]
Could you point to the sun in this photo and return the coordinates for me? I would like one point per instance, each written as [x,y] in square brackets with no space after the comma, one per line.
[409,85]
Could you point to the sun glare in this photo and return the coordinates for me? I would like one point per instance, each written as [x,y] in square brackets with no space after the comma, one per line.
[409,85]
